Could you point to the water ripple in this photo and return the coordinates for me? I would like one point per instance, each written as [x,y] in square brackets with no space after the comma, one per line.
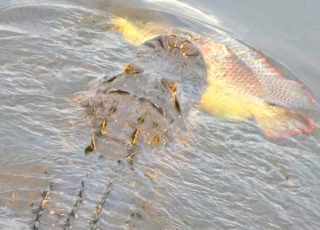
[220,173]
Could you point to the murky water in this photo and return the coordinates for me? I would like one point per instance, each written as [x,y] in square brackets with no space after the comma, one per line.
[218,175]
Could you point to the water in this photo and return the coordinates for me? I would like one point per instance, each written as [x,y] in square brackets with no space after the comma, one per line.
[219,175]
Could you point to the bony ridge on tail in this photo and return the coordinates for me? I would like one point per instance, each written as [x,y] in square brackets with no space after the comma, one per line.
[241,87]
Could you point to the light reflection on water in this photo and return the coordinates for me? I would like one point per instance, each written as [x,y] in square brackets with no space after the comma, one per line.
[225,176]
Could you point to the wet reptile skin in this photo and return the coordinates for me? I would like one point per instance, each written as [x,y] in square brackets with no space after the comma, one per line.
[159,93]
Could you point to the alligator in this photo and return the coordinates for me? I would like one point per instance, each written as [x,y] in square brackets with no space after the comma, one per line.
[159,92]
[146,106]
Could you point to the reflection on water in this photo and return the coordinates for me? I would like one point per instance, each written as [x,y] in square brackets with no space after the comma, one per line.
[219,174]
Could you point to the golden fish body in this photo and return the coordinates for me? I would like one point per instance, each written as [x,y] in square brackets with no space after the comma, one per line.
[241,84]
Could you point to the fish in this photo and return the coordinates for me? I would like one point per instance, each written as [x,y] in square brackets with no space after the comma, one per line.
[242,85]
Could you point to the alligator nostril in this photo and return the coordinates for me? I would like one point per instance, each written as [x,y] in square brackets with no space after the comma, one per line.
[185,47]
[173,42]
[174,45]
[188,49]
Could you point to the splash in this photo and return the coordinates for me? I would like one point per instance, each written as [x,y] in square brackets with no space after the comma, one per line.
[242,84]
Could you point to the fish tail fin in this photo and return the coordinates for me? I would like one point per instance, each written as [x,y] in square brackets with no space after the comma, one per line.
[278,122]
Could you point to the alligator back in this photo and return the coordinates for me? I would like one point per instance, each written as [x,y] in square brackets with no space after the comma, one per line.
[130,114]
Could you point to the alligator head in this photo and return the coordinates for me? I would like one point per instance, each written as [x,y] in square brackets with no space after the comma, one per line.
[152,94]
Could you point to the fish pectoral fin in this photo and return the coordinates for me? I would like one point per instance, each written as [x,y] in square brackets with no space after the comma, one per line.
[225,101]
[278,122]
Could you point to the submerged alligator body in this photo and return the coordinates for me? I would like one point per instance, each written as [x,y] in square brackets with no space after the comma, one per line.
[147,105]
[141,109]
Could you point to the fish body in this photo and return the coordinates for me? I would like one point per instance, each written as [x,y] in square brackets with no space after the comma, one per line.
[242,85]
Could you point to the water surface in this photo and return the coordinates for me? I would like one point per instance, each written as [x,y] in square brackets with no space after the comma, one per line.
[225,176]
